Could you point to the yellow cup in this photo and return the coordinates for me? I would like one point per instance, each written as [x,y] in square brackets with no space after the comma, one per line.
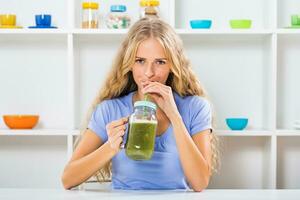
[8,20]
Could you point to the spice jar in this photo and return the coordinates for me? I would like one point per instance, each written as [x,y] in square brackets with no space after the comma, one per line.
[89,15]
[117,18]
[142,131]
[149,8]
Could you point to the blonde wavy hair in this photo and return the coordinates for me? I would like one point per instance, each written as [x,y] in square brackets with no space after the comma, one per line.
[120,79]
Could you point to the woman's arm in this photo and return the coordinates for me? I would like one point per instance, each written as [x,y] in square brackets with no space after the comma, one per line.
[194,154]
[89,156]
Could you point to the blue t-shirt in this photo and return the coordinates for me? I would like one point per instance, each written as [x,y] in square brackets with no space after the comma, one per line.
[163,170]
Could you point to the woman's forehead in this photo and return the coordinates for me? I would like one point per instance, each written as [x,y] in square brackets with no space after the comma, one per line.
[151,48]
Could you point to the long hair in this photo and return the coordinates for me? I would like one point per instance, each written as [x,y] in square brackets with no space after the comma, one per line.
[120,80]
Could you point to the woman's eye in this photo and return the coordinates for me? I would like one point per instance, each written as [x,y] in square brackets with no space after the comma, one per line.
[161,62]
[139,61]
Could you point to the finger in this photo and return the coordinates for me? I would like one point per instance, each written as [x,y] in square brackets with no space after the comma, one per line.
[117,122]
[117,129]
[119,142]
[116,136]
[156,89]
[113,131]
[158,84]
[164,87]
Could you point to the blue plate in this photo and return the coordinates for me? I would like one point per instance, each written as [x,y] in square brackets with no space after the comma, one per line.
[42,27]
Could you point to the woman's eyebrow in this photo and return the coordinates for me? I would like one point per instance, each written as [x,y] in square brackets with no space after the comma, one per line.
[160,58]
[137,57]
[155,58]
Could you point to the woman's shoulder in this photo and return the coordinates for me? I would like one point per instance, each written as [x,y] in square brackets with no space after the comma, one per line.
[122,101]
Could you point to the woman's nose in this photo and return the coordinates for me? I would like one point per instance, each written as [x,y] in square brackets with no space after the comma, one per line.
[149,70]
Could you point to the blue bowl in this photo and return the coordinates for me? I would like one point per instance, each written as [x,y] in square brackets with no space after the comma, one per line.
[43,20]
[200,23]
[236,123]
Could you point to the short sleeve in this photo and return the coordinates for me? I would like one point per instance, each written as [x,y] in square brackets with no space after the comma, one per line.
[98,121]
[201,115]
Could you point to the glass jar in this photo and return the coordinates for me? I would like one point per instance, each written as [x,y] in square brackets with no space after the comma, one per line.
[149,8]
[142,131]
[117,18]
[90,15]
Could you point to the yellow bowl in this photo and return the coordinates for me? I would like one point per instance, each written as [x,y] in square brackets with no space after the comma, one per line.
[8,19]
[20,121]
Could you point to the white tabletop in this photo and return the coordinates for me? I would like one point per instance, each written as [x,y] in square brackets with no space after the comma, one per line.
[60,194]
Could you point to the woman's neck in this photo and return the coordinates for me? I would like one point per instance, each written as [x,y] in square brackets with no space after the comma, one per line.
[138,96]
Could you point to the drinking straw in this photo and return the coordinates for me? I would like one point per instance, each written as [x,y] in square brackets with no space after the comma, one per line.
[146,97]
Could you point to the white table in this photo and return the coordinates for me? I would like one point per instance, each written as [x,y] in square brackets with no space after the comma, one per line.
[60,194]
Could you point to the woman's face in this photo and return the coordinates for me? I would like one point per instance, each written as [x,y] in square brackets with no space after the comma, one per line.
[151,63]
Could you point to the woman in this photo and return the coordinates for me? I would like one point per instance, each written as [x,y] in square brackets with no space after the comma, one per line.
[151,60]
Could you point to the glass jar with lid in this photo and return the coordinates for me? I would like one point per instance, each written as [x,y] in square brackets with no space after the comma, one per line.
[90,17]
[142,131]
[118,18]
[149,8]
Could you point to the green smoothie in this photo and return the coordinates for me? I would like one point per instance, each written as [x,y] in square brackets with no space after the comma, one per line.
[140,140]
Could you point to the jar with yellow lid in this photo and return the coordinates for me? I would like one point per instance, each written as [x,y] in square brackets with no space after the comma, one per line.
[90,17]
[149,8]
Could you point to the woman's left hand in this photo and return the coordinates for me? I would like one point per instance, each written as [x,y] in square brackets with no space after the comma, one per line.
[163,96]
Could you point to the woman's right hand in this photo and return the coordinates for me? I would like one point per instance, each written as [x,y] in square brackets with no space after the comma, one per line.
[115,131]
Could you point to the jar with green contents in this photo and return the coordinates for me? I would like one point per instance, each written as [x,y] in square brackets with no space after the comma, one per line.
[142,131]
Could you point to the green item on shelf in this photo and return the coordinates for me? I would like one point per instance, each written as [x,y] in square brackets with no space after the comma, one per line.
[240,23]
[295,20]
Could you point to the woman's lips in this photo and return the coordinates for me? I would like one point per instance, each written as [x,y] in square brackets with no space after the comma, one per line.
[145,83]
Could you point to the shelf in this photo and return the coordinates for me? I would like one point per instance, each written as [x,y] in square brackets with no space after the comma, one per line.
[257,10]
[122,32]
[62,132]
[295,132]
[100,31]
[34,31]
[37,132]
[245,163]
[288,96]
[288,163]
[38,161]
[244,133]
[34,78]
[223,32]
[288,31]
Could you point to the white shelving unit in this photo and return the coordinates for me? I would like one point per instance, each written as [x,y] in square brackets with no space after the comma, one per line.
[56,73]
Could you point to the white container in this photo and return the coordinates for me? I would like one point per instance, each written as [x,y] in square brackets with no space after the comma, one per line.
[118,18]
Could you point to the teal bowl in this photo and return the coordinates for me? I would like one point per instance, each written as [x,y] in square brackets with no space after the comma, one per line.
[237,123]
[200,23]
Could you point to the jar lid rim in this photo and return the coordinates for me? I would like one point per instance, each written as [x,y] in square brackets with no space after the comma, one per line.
[117,8]
[90,5]
[145,103]
[149,3]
